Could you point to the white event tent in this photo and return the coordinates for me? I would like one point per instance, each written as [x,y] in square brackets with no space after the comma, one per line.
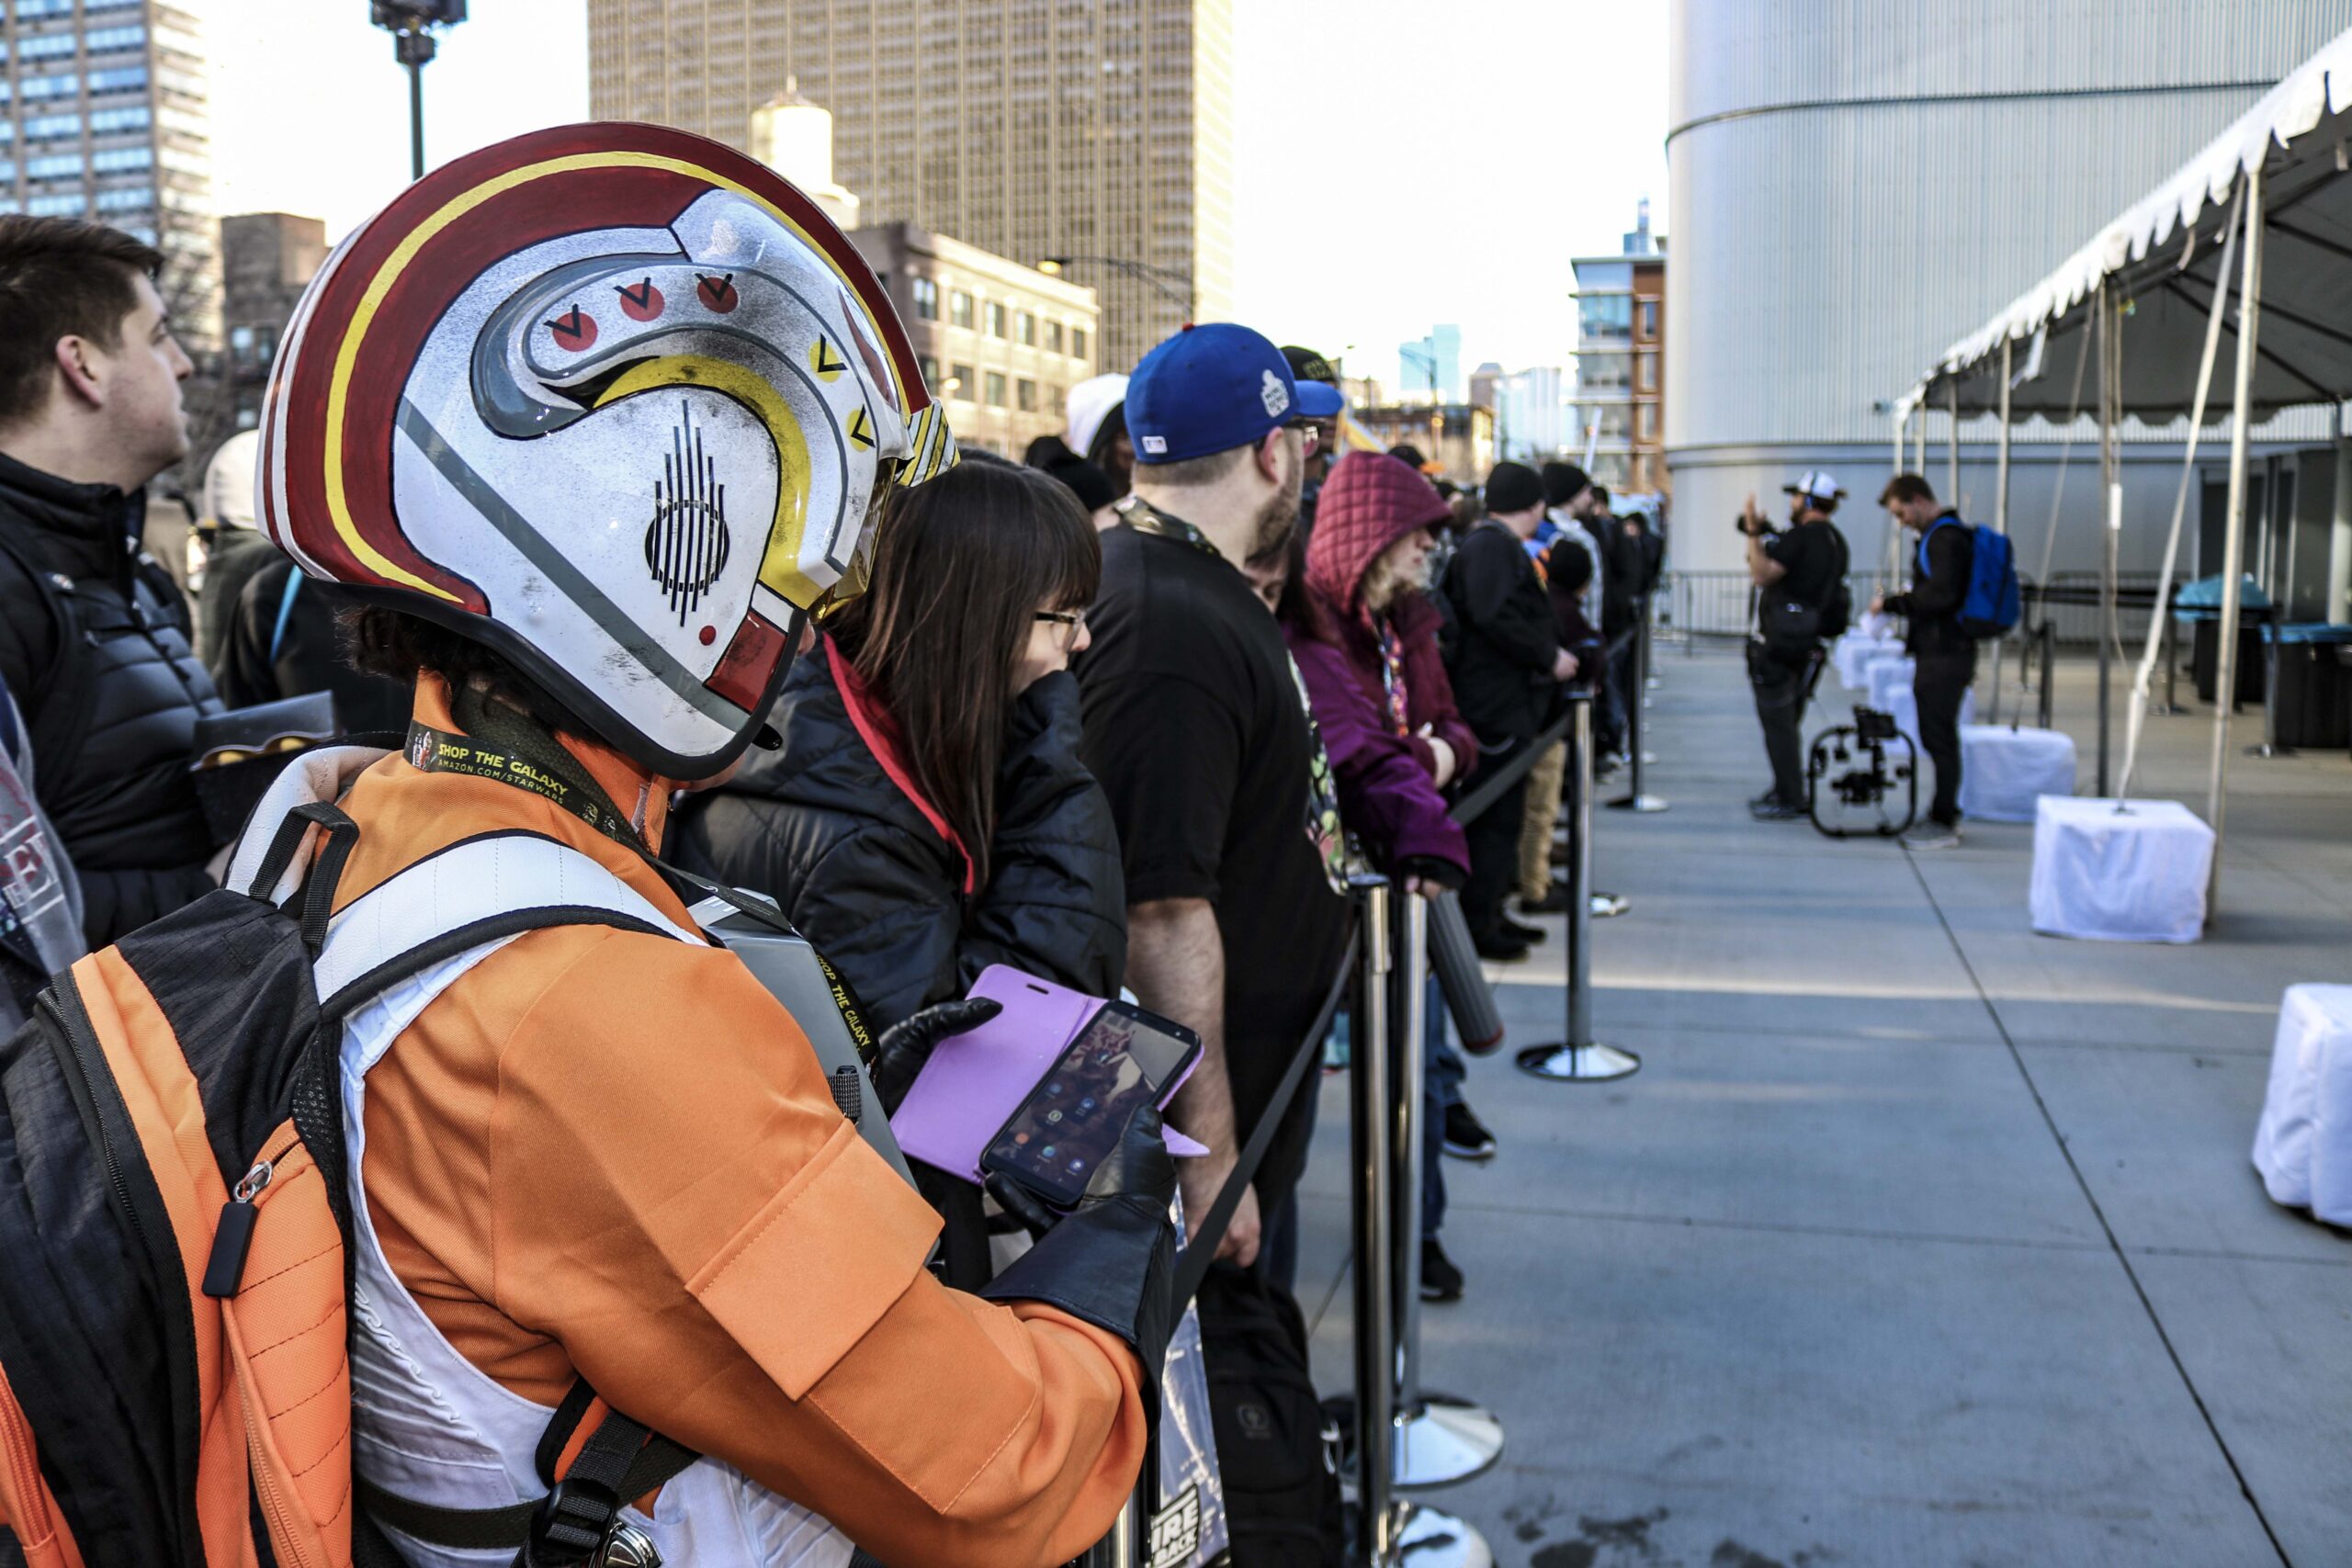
[2266,209]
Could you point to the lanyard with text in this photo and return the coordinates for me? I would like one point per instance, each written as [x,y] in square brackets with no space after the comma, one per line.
[1324,828]
[563,784]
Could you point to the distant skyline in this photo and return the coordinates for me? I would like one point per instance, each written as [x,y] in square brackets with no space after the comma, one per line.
[1388,175]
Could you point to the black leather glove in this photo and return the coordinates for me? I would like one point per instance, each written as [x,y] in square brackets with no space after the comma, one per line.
[1112,1260]
[907,1045]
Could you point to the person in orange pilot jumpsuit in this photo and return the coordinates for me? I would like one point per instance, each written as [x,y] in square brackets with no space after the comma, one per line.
[594,420]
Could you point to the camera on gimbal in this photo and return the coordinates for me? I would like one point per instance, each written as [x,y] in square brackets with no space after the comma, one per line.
[1849,777]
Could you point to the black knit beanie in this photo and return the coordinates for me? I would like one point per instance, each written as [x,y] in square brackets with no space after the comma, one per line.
[1513,487]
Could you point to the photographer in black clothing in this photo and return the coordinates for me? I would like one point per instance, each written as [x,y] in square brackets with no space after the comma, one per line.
[1801,597]
[1943,654]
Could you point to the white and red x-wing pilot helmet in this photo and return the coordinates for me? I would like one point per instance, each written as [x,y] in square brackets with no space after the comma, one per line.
[613,400]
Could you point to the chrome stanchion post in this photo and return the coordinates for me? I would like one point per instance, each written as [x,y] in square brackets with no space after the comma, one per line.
[1371,1214]
[1637,799]
[1440,1439]
[1580,1058]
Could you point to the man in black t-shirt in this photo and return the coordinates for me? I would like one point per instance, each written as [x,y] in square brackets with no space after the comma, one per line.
[1197,727]
[1798,574]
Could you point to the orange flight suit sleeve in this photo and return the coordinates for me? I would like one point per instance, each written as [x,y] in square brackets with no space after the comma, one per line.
[677,1202]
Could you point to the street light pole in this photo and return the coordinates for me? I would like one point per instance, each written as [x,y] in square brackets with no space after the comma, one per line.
[1157,278]
[411,23]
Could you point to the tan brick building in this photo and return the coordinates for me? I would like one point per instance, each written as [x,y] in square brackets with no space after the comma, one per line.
[1029,128]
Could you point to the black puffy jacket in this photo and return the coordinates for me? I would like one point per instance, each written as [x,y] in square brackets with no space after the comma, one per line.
[94,639]
[875,889]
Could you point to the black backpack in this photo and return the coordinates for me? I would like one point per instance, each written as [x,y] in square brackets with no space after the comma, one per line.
[1277,1451]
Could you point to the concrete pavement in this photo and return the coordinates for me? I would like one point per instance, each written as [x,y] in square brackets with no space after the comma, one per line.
[1921,1239]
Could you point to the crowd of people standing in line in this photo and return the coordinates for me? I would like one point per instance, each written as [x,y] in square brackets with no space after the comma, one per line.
[1127,716]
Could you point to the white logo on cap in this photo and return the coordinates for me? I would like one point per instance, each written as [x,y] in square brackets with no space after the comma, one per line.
[1275,395]
[1155,444]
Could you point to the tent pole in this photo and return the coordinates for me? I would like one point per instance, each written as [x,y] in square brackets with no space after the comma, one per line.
[2161,624]
[2001,512]
[2109,506]
[1951,471]
[2225,689]
[2339,533]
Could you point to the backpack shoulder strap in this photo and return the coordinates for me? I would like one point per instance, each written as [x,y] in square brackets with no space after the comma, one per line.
[478,890]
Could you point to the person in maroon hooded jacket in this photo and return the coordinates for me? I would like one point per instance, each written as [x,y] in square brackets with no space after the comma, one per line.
[1363,631]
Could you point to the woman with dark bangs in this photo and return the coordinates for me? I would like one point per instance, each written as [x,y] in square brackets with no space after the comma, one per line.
[928,815]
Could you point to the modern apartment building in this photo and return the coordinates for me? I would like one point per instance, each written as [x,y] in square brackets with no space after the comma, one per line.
[103,115]
[1095,130]
[1620,363]
[1001,343]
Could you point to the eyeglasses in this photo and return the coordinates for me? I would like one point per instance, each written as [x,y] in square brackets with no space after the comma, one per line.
[1310,435]
[1073,619]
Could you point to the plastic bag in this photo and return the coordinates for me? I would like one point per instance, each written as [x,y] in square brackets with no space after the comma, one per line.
[1189,1530]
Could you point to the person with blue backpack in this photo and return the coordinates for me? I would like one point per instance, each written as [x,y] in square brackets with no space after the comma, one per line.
[1964,589]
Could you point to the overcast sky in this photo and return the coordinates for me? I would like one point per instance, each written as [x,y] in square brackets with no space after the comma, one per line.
[1396,164]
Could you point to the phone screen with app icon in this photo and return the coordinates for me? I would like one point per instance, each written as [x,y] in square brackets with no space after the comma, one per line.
[1070,1122]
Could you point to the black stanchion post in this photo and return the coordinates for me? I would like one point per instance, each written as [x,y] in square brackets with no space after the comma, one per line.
[1440,1439]
[1580,1058]
[1636,798]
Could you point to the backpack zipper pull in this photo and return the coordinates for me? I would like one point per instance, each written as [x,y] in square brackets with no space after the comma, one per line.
[224,1273]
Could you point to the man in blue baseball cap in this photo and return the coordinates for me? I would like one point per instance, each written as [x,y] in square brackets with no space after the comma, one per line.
[1196,727]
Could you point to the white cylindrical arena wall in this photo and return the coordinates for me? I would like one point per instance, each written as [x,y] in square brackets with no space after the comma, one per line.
[1853,186]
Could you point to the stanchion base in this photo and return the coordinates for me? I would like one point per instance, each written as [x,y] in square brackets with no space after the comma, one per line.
[1609,905]
[1595,1062]
[2168,710]
[1445,1441]
[1643,802]
[2266,748]
[1428,1539]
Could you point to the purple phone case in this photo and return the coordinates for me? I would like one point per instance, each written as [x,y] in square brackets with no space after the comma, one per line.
[974,1081]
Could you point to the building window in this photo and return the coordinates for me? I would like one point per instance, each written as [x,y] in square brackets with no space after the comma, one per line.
[929,364]
[54,46]
[1058,397]
[1078,343]
[1025,395]
[1605,315]
[1053,337]
[28,9]
[1024,329]
[926,299]
[995,398]
[63,85]
[1603,372]
[122,160]
[1647,318]
[959,309]
[104,122]
[959,382]
[54,127]
[101,40]
[55,166]
[131,198]
[68,204]
[996,318]
[1645,373]
[127,79]
[1645,422]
